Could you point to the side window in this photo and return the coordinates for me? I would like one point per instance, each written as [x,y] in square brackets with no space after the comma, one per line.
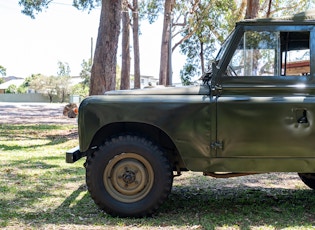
[256,55]
[266,53]
[295,58]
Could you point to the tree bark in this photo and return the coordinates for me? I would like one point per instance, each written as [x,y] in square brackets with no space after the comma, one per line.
[252,9]
[136,49]
[103,73]
[125,59]
[163,76]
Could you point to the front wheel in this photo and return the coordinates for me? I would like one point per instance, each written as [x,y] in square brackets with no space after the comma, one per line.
[129,176]
[308,179]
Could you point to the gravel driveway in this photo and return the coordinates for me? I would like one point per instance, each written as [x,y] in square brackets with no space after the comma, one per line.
[33,113]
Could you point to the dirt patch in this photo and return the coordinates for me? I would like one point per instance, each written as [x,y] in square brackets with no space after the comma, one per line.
[33,113]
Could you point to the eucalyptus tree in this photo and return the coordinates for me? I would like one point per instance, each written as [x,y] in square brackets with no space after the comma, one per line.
[136,48]
[201,41]
[103,73]
[125,45]
[206,25]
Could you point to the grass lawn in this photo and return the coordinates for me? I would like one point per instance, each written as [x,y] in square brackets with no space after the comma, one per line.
[38,190]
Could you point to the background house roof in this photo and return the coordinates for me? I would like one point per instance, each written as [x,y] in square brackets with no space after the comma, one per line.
[16,82]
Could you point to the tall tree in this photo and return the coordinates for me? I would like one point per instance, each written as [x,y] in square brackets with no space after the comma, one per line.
[125,59]
[103,74]
[164,77]
[136,47]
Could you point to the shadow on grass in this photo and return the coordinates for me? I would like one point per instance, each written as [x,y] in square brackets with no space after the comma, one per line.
[187,207]
[53,140]
[32,164]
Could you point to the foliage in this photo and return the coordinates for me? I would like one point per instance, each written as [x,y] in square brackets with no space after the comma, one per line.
[86,4]
[52,86]
[150,9]
[79,89]
[280,8]
[63,69]
[209,22]
[82,88]
[11,89]
[45,85]
[203,31]
[40,191]
[85,73]
[22,89]
[33,7]
[2,71]
[63,80]
[188,70]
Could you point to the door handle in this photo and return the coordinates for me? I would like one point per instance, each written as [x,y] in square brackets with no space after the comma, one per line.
[303,119]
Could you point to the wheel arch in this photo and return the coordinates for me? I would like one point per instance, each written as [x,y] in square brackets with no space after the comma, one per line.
[152,133]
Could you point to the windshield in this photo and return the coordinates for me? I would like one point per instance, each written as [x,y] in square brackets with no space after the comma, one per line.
[223,49]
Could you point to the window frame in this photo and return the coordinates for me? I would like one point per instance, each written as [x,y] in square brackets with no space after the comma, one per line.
[238,34]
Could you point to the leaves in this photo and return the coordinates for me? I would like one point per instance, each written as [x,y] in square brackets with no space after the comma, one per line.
[32,7]
[86,4]
[2,70]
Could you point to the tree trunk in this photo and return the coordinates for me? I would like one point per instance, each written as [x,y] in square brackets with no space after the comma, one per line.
[202,61]
[269,8]
[252,9]
[136,49]
[125,57]
[103,73]
[165,42]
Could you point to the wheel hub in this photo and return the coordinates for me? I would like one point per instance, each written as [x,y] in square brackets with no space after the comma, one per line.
[128,177]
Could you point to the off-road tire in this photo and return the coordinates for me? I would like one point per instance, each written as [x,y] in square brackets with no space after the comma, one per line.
[129,176]
[308,179]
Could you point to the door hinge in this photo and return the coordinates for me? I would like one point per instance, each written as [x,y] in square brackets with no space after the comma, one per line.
[217,145]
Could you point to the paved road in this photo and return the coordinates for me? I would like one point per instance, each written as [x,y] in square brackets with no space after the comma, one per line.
[33,113]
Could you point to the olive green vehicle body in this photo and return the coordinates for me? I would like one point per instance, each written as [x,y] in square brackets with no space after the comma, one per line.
[228,124]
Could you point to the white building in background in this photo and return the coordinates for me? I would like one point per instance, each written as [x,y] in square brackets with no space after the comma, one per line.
[16,81]
[145,81]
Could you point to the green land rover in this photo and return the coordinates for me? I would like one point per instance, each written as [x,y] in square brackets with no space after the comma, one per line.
[254,112]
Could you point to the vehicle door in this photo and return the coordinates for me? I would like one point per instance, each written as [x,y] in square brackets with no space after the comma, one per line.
[265,94]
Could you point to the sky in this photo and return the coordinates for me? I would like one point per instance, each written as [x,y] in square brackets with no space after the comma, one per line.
[63,33]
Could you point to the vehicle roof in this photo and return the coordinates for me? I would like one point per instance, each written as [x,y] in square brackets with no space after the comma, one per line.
[307,17]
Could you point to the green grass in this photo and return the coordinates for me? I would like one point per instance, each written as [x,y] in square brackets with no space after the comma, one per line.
[38,190]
